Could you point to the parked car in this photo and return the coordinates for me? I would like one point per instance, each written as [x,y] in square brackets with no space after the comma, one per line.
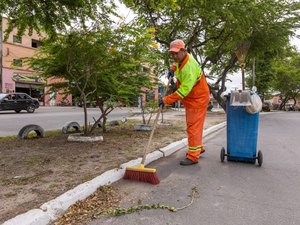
[18,102]
[266,107]
[291,107]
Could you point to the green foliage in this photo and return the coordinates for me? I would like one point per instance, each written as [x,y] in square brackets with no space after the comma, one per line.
[12,137]
[278,73]
[102,64]
[122,211]
[213,29]
[54,16]
[286,69]
[264,74]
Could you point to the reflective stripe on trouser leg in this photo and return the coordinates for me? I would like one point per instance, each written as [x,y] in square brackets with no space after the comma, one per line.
[195,122]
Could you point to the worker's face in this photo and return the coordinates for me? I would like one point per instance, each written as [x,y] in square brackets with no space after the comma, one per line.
[178,56]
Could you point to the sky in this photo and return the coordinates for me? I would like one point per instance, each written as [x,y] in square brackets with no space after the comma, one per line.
[124,11]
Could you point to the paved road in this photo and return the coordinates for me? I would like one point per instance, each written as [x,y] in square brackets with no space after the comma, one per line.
[229,192]
[52,118]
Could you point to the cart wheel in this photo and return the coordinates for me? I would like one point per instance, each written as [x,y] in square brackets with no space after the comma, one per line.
[222,154]
[260,158]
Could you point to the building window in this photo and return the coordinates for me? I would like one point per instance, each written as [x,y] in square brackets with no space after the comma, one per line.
[17,39]
[17,62]
[35,43]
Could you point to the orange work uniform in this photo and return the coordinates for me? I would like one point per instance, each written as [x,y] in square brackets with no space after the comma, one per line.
[193,91]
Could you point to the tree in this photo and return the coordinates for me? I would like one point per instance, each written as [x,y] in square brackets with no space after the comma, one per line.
[103,64]
[263,72]
[212,30]
[54,16]
[287,76]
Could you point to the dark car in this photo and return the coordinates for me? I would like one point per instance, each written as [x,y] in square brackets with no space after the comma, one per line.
[18,102]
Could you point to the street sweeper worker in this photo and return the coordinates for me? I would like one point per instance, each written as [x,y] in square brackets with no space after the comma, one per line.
[193,91]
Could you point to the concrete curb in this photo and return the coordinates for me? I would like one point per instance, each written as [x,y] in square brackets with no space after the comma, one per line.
[52,209]
[173,147]
[32,217]
[214,128]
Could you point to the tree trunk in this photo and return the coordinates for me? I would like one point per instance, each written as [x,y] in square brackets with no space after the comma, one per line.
[151,113]
[143,115]
[283,103]
[104,124]
[96,123]
[219,89]
[85,127]
[219,99]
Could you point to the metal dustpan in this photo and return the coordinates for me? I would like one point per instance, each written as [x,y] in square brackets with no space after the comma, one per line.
[240,98]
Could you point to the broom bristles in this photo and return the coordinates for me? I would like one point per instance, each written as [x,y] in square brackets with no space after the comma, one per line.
[144,176]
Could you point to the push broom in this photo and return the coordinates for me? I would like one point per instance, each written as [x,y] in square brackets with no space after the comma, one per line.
[139,172]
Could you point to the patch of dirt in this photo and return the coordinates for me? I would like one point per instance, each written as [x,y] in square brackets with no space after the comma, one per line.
[34,171]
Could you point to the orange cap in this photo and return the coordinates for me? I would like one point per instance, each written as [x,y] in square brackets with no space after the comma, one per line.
[176,45]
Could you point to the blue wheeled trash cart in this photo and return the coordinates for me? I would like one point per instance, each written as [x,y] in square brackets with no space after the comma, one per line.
[242,132]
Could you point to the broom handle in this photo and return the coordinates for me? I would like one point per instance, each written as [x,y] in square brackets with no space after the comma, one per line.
[154,126]
[151,135]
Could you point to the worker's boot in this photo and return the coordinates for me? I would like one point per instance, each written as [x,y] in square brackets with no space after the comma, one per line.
[202,150]
[187,162]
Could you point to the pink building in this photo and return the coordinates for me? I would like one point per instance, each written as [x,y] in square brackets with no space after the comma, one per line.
[15,74]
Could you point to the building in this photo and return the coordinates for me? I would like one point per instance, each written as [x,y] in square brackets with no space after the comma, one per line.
[15,74]
[148,95]
[275,102]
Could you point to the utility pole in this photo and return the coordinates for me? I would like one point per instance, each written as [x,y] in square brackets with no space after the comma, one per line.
[253,73]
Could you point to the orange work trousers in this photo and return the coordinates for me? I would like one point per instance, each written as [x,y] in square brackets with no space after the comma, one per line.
[195,122]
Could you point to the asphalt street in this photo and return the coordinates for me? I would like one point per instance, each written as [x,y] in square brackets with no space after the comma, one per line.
[53,118]
[229,192]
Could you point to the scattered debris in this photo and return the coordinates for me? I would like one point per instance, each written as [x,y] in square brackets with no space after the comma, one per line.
[93,207]
[132,209]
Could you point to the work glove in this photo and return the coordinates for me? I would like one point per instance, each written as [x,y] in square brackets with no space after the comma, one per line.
[161,103]
[170,74]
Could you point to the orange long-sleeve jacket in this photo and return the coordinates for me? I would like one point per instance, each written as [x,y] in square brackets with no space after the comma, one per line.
[192,90]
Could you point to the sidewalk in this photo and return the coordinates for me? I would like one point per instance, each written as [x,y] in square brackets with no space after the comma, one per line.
[52,209]
[214,192]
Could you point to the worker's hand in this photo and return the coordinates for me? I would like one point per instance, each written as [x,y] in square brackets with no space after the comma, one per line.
[161,103]
[170,74]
